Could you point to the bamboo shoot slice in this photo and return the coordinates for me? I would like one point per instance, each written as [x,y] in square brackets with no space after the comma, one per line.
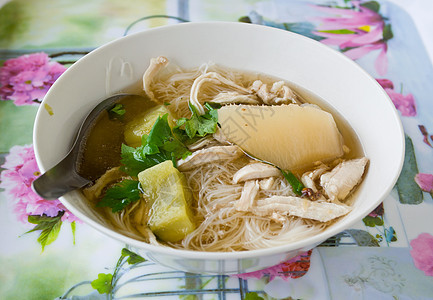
[290,136]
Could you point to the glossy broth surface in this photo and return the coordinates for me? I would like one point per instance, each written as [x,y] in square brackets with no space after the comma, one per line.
[103,144]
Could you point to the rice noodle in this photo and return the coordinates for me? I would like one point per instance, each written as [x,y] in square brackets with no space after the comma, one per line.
[125,223]
[222,227]
[174,85]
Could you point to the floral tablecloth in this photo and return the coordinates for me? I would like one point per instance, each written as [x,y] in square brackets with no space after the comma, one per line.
[47,253]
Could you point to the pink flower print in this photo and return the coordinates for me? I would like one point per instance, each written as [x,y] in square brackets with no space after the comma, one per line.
[293,268]
[386,83]
[20,171]
[422,253]
[425,182]
[404,103]
[356,31]
[27,78]
[378,211]
[425,134]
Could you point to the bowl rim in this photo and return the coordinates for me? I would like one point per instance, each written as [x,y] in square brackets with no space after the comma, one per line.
[304,244]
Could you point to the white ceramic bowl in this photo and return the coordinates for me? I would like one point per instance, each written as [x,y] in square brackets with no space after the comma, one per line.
[305,62]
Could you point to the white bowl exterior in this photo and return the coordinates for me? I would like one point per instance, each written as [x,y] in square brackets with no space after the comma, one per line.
[307,63]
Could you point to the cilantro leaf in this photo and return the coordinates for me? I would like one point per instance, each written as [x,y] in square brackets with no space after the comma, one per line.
[103,283]
[160,132]
[198,125]
[118,109]
[176,148]
[134,160]
[160,145]
[121,195]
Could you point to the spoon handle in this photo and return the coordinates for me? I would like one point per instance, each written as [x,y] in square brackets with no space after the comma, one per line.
[59,180]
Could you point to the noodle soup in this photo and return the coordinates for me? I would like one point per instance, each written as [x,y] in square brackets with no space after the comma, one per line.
[221,160]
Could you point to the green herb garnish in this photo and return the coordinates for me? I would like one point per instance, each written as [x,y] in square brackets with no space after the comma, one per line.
[296,184]
[160,145]
[118,110]
[198,125]
[121,195]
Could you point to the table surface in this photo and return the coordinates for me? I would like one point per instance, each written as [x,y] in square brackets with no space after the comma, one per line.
[387,255]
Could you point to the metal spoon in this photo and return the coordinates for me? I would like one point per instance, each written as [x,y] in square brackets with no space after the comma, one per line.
[63,177]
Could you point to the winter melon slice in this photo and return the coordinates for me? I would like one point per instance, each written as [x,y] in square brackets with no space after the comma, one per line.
[289,136]
[142,124]
[169,198]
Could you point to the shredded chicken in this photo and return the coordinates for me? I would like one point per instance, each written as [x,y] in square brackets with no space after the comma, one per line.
[267,183]
[277,217]
[211,77]
[150,236]
[220,137]
[201,143]
[300,207]
[256,170]
[309,178]
[209,155]
[156,64]
[112,176]
[249,193]
[338,183]
[279,93]
[234,97]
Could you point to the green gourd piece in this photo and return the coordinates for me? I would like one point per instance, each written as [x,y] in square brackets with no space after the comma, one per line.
[169,198]
[142,124]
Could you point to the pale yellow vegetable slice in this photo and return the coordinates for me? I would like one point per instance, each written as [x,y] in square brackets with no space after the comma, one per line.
[142,124]
[166,192]
[290,136]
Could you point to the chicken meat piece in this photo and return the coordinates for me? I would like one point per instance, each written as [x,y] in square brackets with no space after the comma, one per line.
[267,183]
[279,93]
[338,183]
[110,177]
[209,155]
[156,64]
[201,143]
[256,170]
[215,78]
[220,137]
[283,92]
[234,98]
[309,178]
[300,207]
[249,193]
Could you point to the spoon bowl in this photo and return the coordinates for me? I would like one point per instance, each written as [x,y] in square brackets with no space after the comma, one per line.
[64,176]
